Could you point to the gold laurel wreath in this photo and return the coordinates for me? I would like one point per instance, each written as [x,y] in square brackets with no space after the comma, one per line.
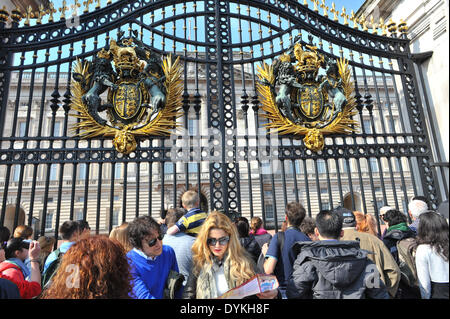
[161,125]
[343,124]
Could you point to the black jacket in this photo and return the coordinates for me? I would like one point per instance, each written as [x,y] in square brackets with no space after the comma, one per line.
[334,270]
[251,246]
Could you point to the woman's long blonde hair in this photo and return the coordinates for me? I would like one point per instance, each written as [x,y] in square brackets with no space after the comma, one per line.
[120,233]
[241,266]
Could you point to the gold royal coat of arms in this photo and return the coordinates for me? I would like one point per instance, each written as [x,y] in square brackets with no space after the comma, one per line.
[143,95]
[306,103]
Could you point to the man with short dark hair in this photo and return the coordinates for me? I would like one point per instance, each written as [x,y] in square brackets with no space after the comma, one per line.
[84,228]
[70,233]
[279,259]
[150,261]
[333,269]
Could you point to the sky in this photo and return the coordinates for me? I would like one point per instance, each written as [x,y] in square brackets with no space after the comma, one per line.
[245,25]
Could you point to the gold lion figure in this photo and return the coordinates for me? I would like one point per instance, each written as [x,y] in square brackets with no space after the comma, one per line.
[314,140]
[124,142]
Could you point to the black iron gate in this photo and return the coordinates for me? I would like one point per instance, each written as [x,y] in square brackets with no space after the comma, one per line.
[48,176]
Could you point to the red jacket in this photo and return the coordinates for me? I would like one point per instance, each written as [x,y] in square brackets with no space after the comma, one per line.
[27,289]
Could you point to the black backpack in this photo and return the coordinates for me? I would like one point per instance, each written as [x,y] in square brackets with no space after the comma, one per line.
[51,270]
[279,268]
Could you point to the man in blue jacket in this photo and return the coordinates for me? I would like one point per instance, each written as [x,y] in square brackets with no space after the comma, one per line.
[150,261]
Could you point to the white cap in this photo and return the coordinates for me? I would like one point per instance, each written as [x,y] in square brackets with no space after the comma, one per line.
[384,209]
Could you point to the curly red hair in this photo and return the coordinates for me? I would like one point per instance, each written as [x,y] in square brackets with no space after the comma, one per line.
[366,223]
[103,271]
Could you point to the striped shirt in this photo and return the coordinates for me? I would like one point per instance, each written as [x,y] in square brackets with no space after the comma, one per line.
[191,221]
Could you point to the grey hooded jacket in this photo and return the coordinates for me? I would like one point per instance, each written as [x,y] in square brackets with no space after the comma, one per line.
[334,270]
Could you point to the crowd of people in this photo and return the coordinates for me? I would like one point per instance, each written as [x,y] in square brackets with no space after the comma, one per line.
[190,254]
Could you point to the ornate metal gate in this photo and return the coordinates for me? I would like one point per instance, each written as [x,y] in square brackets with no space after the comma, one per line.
[48,176]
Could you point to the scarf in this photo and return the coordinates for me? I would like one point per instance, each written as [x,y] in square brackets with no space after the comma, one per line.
[260,231]
[19,263]
[206,283]
[401,226]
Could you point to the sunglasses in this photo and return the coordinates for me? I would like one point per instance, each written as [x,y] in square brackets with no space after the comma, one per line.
[222,241]
[152,242]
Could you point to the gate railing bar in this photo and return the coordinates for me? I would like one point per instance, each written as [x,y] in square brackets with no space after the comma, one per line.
[379,107]
[124,168]
[402,123]
[99,197]
[255,108]
[13,130]
[394,129]
[308,199]
[197,96]
[55,101]
[150,184]
[111,195]
[318,189]
[13,134]
[39,133]
[283,176]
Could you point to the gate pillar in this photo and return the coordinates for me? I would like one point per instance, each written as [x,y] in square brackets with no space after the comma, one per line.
[223,168]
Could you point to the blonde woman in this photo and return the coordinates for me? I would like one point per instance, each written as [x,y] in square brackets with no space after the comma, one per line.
[46,244]
[120,233]
[219,261]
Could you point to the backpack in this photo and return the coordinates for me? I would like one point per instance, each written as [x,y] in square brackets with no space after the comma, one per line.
[406,249]
[279,268]
[173,284]
[51,270]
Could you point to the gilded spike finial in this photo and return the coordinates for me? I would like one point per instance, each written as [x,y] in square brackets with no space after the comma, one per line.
[344,15]
[28,15]
[86,4]
[50,11]
[335,12]
[354,19]
[373,25]
[305,3]
[16,15]
[63,10]
[4,15]
[98,5]
[363,23]
[75,7]
[325,9]
[40,14]
[402,27]
[316,5]
[392,27]
[383,27]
